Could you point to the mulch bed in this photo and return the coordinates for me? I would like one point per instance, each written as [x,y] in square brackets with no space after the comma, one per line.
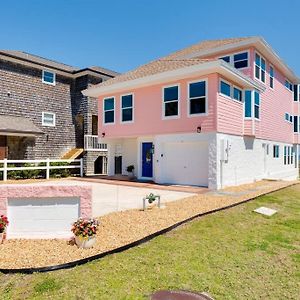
[121,228]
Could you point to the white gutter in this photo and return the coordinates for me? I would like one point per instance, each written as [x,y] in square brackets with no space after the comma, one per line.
[217,66]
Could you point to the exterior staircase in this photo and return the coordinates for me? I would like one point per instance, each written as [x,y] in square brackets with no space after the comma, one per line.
[73,153]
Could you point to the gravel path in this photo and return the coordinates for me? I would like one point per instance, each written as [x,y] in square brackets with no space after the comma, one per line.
[120,228]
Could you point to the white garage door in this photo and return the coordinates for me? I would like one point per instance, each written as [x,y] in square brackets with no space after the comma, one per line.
[42,217]
[185,163]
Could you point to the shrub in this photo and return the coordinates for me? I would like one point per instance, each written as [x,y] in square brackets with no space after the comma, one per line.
[60,172]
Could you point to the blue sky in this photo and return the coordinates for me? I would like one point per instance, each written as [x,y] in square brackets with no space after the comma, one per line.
[122,34]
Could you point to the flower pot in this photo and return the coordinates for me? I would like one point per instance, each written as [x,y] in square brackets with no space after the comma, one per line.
[85,242]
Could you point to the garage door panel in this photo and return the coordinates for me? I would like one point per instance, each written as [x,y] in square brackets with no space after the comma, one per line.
[42,217]
[186,163]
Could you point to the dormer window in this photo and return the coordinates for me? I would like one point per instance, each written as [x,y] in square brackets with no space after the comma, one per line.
[289,86]
[48,77]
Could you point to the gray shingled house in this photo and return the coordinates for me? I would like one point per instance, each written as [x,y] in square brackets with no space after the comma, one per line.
[43,113]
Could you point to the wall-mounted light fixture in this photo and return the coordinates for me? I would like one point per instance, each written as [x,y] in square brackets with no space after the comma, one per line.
[199,129]
[103,134]
[152,149]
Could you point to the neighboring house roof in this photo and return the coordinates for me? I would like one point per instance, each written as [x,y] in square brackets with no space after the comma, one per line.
[48,63]
[12,125]
[193,55]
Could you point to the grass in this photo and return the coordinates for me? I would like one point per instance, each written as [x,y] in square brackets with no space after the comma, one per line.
[233,254]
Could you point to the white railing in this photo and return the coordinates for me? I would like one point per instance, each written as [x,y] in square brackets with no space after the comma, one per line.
[91,143]
[39,164]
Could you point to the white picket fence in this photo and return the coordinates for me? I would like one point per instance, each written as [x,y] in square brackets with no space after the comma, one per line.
[6,168]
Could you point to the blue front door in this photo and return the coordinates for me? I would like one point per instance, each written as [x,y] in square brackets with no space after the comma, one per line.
[147,160]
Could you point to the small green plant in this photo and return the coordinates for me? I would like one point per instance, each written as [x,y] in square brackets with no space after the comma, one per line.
[130,169]
[151,198]
[60,172]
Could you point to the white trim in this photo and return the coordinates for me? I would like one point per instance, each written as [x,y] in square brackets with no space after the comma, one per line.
[206,98]
[121,109]
[103,111]
[163,116]
[232,87]
[54,77]
[47,124]
[202,69]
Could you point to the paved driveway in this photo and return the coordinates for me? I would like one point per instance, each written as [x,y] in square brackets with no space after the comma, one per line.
[109,198]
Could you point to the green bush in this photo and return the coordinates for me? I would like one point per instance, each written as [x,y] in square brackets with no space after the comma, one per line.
[60,172]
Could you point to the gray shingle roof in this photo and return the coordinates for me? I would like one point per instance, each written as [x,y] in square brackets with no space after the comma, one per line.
[18,125]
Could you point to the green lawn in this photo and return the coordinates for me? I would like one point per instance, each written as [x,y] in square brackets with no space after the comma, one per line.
[233,254]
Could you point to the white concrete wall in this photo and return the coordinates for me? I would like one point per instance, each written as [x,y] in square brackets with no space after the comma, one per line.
[248,161]
[129,154]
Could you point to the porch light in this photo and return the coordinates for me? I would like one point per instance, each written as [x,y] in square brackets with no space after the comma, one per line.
[103,134]
[199,129]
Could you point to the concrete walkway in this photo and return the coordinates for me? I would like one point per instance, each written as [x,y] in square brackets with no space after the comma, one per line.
[111,197]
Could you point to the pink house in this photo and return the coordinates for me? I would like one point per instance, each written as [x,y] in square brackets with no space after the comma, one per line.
[216,114]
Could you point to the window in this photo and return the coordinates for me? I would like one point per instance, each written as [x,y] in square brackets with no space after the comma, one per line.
[288,117]
[225,88]
[171,101]
[240,60]
[285,155]
[275,151]
[260,68]
[109,110]
[292,155]
[226,58]
[256,104]
[296,93]
[197,98]
[248,104]
[48,119]
[127,108]
[237,94]
[48,77]
[271,77]
[289,86]
[295,123]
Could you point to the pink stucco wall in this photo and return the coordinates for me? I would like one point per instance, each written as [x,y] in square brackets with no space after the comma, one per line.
[34,191]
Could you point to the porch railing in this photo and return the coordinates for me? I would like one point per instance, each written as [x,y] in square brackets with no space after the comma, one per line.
[91,143]
[7,166]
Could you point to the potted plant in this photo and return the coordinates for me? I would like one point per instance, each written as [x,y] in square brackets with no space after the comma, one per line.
[151,198]
[3,224]
[130,169]
[85,232]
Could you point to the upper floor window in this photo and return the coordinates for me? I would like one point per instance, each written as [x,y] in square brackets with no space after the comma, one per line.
[256,105]
[271,77]
[238,60]
[275,151]
[127,108]
[296,92]
[48,77]
[109,110]
[260,68]
[288,85]
[296,129]
[225,88]
[171,101]
[237,94]
[197,98]
[48,119]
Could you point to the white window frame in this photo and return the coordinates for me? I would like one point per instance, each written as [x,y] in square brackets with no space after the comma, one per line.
[114,110]
[290,84]
[260,69]
[189,99]
[230,85]
[43,119]
[273,77]
[278,147]
[231,58]
[54,77]
[164,117]
[121,109]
